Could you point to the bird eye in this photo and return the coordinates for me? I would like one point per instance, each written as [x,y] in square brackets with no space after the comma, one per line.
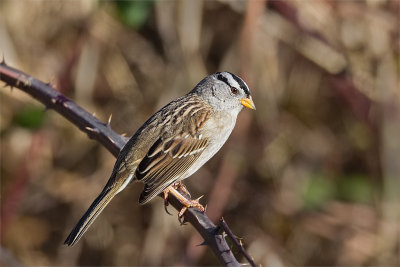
[234,90]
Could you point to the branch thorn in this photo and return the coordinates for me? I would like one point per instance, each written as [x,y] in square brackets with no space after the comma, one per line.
[52,83]
[92,130]
[8,85]
[109,120]
[198,199]
[3,60]
[204,243]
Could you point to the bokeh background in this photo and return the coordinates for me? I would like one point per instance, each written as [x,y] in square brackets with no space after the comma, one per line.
[312,177]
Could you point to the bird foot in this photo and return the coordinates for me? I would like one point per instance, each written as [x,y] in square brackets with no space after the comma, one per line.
[165,193]
[187,203]
[190,204]
[181,188]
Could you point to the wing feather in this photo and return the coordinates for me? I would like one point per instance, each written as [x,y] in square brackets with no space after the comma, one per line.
[156,186]
[171,156]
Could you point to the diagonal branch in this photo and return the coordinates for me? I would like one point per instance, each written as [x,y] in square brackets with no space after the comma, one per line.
[114,142]
[236,241]
[52,99]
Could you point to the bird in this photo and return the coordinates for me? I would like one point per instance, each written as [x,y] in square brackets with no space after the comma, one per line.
[174,143]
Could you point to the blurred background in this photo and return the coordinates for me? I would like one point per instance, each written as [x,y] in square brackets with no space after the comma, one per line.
[312,177]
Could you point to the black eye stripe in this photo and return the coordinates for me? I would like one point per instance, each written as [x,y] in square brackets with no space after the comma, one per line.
[241,84]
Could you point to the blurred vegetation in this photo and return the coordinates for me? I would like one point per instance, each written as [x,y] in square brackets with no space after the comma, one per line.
[134,13]
[310,178]
[29,117]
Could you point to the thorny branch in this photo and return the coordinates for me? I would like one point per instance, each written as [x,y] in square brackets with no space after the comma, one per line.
[236,241]
[114,142]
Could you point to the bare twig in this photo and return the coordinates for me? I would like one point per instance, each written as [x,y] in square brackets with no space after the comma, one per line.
[114,143]
[238,244]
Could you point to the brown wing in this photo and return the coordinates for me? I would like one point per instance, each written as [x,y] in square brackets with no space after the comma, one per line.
[166,162]
[170,157]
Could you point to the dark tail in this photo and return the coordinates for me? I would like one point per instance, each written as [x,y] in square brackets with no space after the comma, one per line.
[90,215]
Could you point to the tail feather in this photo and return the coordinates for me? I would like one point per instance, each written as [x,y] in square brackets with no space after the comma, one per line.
[90,215]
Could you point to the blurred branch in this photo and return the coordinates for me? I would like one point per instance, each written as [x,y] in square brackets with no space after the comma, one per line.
[7,258]
[114,142]
[313,46]
[15,192]
[289,12]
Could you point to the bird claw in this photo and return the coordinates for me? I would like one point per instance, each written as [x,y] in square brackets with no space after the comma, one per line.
[165,192]
[187,203]
[190,204]
[166,209]
[181,219]
[182,188]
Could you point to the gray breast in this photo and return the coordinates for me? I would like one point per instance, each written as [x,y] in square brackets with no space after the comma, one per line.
[218,128]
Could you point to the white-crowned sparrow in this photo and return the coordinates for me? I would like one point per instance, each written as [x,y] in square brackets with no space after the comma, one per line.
[175,142]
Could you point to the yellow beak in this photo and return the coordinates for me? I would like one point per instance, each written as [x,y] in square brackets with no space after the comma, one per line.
[248,102]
